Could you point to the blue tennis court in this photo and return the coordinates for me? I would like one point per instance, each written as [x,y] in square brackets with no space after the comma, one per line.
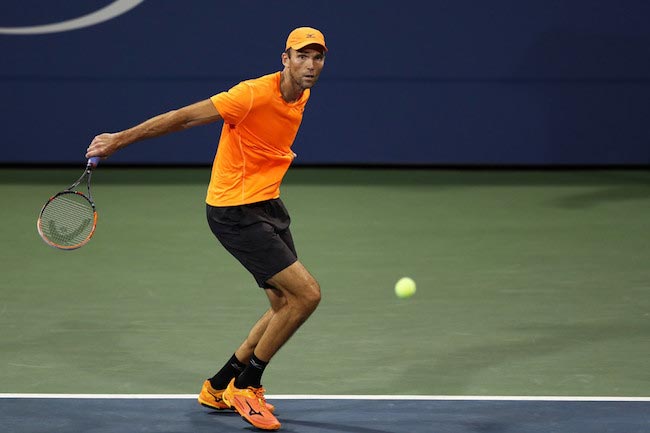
[321,414]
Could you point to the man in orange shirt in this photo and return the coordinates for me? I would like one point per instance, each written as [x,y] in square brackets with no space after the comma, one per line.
[261,119]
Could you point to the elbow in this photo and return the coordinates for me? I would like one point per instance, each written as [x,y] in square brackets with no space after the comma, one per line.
[180,120]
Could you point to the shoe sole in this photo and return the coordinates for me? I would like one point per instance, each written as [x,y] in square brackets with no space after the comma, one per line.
[220,409]
[259,428]
[225,409]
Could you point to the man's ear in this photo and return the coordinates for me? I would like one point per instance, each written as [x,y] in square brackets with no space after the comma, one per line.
[285,59]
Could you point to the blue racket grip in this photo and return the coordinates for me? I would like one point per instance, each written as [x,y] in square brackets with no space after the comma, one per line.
[92,162]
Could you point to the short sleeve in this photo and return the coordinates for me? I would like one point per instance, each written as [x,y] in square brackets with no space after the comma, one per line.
[234,104]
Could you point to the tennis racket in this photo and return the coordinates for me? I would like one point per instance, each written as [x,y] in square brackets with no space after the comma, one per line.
[68,219]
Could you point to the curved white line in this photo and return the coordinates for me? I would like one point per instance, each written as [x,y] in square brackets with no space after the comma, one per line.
[106,13]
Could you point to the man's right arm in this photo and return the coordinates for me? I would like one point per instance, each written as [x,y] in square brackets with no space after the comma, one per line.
[200,113]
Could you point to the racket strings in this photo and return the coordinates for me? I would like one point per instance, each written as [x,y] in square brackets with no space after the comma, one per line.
[68,220]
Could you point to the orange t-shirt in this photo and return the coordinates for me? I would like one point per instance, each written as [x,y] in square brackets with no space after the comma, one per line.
[254,150]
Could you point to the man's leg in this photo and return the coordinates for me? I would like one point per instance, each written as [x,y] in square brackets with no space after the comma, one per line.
[236,365]
[244,352]
[210,394]
[294,297]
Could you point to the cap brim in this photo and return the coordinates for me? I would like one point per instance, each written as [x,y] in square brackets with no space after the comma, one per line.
[306,43]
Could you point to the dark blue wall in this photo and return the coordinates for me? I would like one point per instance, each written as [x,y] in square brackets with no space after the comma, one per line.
[426,82]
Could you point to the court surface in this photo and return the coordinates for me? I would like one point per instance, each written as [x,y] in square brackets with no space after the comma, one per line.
[530,283]
[369,414]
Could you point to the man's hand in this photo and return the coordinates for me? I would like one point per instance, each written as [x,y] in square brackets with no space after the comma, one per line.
[103,145]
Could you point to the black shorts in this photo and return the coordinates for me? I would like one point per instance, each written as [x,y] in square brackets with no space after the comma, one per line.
[257,235]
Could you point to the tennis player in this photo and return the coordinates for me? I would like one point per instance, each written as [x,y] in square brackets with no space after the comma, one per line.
[261,118]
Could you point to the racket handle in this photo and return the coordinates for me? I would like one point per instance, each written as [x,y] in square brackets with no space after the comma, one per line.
[92,162]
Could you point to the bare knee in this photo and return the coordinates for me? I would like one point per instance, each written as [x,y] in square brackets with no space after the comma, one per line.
[312,296]
[299,289]
[305,300]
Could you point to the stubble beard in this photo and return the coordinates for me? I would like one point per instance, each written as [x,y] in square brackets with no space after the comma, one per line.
[300,82]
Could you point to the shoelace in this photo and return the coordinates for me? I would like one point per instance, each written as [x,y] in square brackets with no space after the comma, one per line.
[259,393]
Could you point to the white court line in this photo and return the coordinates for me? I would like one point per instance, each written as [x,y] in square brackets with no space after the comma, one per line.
[335,397]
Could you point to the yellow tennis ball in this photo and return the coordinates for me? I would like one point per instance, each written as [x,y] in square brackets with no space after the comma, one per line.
[405,288]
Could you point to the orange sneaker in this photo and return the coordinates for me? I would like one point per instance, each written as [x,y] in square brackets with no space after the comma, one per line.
[210,397]
[251,405]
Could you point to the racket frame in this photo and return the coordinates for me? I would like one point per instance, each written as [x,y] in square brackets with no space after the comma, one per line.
[88,172]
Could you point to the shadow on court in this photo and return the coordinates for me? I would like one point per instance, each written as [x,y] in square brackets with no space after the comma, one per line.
[179,415]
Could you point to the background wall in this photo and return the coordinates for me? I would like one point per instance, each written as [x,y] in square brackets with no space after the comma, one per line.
[505,82]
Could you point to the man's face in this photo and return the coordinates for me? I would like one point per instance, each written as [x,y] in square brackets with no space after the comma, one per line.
[305,65]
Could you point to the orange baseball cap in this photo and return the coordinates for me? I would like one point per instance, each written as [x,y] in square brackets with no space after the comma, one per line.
[303,36]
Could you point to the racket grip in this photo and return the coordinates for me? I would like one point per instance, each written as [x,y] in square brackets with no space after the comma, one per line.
[92,162]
